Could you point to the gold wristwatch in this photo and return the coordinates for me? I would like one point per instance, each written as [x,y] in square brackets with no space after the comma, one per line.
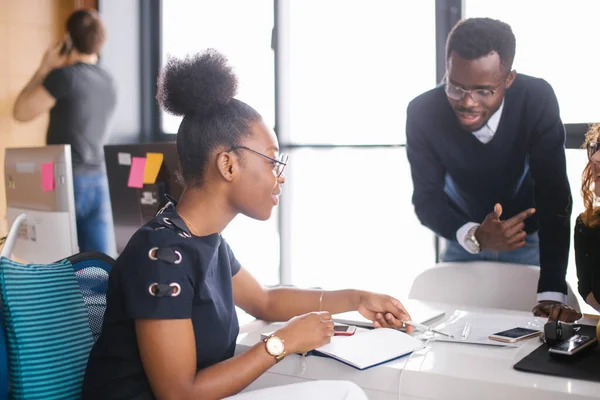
[275,346]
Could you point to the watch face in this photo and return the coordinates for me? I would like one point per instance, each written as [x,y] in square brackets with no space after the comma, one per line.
[275,346]
[472,245]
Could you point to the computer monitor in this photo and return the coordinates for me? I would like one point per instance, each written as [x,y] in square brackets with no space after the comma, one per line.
[133,207]
[39,183]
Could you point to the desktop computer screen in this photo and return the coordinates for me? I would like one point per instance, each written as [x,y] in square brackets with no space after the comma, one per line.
[139,176]
[39,183]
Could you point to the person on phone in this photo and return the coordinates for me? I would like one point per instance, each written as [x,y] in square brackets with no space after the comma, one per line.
[81,97]
[487,158]
[170,326]
[587,227]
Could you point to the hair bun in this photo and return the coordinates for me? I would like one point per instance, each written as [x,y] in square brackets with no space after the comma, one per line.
[197,84]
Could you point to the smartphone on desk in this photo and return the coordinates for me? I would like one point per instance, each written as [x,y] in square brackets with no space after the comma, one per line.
[573,346]
[338,330]
[343,330]
[514,335]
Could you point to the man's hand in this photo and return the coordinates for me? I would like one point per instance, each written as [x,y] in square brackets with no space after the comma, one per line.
[52,58]
[556,311]
[497,235]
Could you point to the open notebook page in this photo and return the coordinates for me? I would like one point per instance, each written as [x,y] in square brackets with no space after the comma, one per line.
[370,347]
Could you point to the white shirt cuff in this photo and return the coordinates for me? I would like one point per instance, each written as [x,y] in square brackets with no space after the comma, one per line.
[461,234]
[552,296]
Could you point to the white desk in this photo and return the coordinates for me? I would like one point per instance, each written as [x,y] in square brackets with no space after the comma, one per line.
[440,371]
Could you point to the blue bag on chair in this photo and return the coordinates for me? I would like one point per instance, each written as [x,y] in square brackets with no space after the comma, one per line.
[52,314]
[48,333]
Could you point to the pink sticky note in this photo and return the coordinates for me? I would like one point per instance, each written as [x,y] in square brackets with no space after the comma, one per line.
[48,177]
[136,172]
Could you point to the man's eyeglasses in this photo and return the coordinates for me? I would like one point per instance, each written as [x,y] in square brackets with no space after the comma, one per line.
[479,95]
[592,148]
[280,162]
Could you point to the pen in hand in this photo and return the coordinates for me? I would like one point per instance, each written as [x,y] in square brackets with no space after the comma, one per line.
[426,328]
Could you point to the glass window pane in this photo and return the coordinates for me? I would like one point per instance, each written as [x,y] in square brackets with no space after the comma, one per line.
[555,41]
[352,220]
[240,29]
[244,36]
[353,67]
[256,246]
[358,229]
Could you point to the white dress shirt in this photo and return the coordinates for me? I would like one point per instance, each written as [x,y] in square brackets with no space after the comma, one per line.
[484,135]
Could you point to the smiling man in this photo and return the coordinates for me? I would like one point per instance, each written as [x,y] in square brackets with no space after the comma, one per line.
[487,158]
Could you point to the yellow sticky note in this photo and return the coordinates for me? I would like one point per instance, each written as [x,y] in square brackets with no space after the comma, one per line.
[153,164]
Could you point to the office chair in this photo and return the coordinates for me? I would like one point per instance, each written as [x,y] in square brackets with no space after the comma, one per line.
[482,284]
[68,299]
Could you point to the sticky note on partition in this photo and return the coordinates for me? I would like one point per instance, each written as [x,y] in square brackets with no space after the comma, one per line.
[153,163]
[48,177]
[136,172]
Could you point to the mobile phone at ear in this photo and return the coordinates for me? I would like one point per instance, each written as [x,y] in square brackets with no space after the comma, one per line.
[67,44]
[573,346]
[514,335]
[343,330]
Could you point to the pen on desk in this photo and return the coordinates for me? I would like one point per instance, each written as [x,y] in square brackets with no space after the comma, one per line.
[466,331]
[426,328]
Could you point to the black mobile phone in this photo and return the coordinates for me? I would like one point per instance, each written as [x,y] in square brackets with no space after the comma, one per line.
[514,335]
[573,346]
[67,44]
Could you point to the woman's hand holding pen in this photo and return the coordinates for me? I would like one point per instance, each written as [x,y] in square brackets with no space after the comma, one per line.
[385,311]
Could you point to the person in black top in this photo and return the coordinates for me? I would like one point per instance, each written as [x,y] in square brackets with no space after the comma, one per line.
[170,326]
[587,227]
[81,97]
[487,158]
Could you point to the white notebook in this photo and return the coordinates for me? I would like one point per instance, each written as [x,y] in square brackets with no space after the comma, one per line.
[419,313]
[370,347]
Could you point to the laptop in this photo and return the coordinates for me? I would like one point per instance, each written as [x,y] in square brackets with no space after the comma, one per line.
[419,312]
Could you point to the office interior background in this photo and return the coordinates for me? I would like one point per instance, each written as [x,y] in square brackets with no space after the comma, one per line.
[333,77]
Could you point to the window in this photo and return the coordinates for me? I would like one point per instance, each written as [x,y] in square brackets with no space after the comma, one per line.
[241,30]
[348,69]
[555,41]
[353,67]
[352,220]
[346,72]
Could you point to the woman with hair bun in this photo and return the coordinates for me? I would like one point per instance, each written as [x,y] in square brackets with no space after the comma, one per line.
[170,326]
